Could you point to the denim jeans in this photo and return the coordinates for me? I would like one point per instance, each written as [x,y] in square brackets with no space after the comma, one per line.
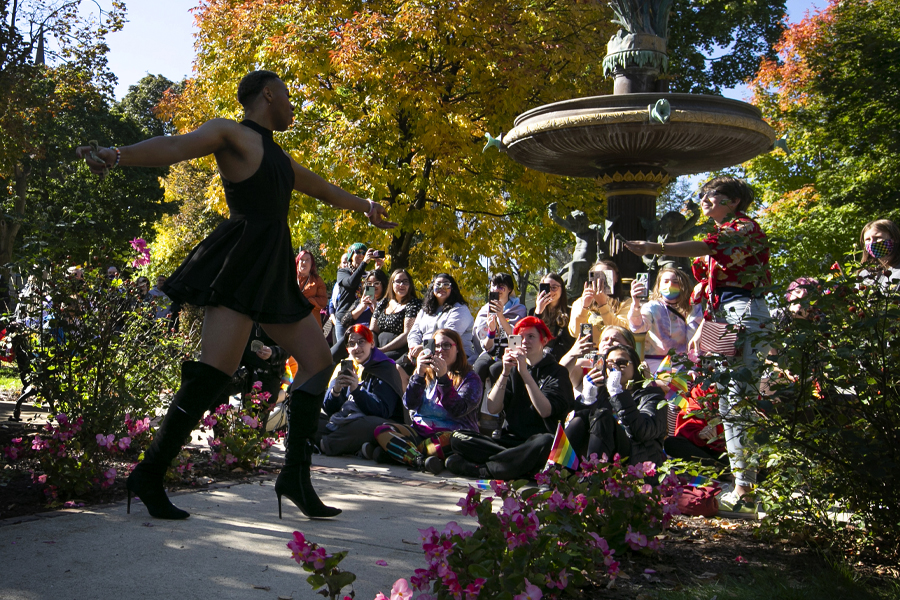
[753,314]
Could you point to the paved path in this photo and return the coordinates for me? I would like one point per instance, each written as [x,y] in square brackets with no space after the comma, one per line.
[233,545]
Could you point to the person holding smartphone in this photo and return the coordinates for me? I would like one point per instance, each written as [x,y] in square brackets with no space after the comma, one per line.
[578,360]
[535,395]
[552,307]
[363,393]
[443,307]
[495,321]
[443,395]
[358,257]
[733,270]
[621,417]
[600,304]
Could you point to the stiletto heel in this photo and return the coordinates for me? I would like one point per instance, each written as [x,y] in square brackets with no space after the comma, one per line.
[128,510]
[279,505]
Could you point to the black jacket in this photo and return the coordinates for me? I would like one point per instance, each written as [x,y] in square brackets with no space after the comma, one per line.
[522,420]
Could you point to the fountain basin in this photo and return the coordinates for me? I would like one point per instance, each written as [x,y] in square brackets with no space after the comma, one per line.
[592,137]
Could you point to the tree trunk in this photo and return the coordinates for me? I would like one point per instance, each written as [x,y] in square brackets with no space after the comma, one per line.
[10,225]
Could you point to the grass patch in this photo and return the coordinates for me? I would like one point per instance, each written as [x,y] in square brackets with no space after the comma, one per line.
[770,584]
[9,378]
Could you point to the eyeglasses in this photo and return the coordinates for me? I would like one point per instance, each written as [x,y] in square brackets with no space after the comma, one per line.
[440,285]
[401,282]
[621,363]
[445,345]
[555,288]
[351,343]
[711,193]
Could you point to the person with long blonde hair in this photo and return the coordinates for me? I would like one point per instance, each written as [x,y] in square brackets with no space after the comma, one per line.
[601,303]
[668,318]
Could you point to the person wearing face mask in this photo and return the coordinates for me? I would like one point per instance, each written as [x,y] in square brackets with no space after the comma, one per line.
[578,361]
[535,395]
[362,398]
[622,417]
[668,319]
[881,240]
[733,271]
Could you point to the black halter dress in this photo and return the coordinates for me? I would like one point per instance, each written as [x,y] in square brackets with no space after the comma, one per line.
[247,263]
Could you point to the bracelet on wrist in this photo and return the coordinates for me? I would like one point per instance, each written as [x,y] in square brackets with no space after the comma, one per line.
[662,246]
[492,334]
[118,157]
[371,210]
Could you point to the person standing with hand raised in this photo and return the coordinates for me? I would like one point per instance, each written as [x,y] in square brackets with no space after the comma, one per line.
[242,272]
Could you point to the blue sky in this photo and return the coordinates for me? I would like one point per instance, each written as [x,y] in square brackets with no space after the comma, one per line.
[158,39]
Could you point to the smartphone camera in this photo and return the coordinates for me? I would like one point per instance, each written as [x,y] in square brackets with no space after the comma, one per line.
[645,279]
[515,341]
[346,367]
[378,254]
[543,287]
[492,296]
[428,346]
[587,330]
[369,291]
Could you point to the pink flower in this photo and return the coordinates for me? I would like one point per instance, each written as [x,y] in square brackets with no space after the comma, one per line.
[380,596]
[143,258]
[42,479]
[250,422]
[381,563]
[257,385]
[106,441]
[229,459]
[401,590]
[221,409]
[473,589]
[469,504]
[299,548]
[317,558]
[264,396]
[38,444]
[62,418]
[210,421]
[532,592]
[124,443]
[636,540]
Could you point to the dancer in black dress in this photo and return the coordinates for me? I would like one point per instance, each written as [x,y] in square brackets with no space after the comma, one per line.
[243,272]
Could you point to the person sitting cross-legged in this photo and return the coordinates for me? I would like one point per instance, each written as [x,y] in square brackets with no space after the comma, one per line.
[443,396]
[535,394]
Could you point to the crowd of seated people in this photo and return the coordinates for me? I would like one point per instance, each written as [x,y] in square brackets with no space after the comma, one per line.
[589,366]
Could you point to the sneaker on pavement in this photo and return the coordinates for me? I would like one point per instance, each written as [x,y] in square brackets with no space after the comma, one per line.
[458,465]
[368,450]
[732,503]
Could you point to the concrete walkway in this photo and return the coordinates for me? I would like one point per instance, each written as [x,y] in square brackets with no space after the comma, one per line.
[233,545]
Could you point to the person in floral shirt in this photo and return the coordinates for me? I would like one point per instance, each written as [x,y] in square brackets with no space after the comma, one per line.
[733,272]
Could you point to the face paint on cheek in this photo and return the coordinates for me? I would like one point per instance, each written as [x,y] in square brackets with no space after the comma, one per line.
[880,248]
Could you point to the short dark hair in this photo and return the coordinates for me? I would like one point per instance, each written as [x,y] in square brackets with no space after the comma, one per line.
[252,84]
[733,188]
[504,279]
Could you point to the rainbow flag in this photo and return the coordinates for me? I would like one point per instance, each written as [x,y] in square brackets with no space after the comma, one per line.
[673,380]
[562,452]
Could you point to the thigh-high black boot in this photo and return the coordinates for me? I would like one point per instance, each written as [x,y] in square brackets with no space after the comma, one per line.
[294,481]
[200,383]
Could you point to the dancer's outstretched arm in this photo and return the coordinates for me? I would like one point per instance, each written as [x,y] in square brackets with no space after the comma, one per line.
[216,136]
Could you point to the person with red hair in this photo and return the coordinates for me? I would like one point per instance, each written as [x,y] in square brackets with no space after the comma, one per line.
[535,395]
[311,284]
[363,394]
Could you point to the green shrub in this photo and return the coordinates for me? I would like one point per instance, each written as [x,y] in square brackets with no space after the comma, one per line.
[827,417]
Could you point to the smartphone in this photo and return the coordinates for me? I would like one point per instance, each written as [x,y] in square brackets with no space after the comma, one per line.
[645,279]
[493,296]
[543,287]
[515,341]
[369,291]
[594,357]
[428,345]
[378,254]
[587,330]
[256,345]
[347,367]
[594,275]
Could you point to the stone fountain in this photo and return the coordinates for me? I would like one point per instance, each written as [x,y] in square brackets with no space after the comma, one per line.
[635,140]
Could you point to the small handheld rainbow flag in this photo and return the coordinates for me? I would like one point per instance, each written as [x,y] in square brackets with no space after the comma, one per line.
[562,452]
[673,380]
